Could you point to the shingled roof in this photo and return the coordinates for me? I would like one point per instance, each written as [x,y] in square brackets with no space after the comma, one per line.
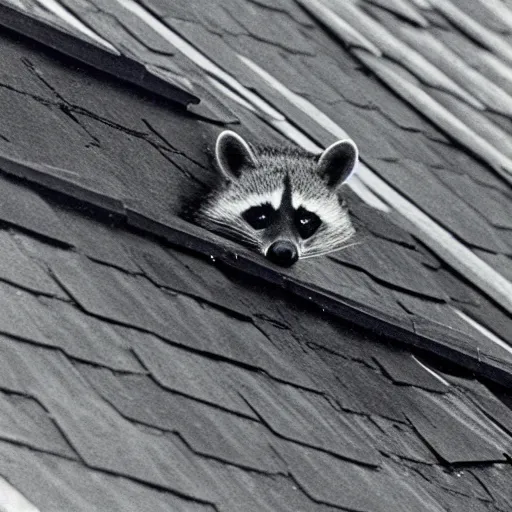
[146,364]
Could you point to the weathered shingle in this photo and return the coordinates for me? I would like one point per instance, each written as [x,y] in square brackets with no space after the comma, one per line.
[290,412]
[188,373]
[24,208]
[406,370]
[25,422]
[56,484]
[19,270]
[454,436]
[356,487]
[207,430]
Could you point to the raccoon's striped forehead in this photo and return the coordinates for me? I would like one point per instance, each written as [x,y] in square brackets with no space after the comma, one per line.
[266,184]
[239,203]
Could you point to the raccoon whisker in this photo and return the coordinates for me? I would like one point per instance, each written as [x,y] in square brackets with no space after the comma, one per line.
[346,246]
[237,238]
[231,231]
[328,243]
[315,254]
[337,246]
[230,228]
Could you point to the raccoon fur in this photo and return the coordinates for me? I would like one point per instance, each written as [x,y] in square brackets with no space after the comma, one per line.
[282,202]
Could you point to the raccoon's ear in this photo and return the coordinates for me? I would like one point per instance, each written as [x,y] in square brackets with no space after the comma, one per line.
[337,163]
[232,154]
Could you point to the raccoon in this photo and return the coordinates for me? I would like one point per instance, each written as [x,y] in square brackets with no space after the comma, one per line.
[282,202]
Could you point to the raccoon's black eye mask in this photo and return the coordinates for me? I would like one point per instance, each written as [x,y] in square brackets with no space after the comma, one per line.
[262,216]
[306,222]
[259,217]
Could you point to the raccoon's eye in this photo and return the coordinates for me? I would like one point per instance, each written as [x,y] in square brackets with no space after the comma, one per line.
[259,217]
[307,222]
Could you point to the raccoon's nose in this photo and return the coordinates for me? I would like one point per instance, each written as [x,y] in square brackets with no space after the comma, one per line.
[283,253]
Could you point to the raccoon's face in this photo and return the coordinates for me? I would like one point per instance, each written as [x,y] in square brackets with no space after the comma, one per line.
[281,202]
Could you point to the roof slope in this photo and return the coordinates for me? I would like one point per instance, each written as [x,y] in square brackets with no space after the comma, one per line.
[148,364]
[130,154]
[134,376]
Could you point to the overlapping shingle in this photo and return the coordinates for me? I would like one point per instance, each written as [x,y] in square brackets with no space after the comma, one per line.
[491,203]
[98,241]
[451,433]
[462,483]
[109,293]
[488,403]
[406,370]
[102,438]
[495,481]
[188,373]
[63,325]
[426,190]
[24,208]
[55,483]
[291,413]
[24,421]
[206,430]
[363,390]
[356,488]
[379,257]
[19,270]
[398,439]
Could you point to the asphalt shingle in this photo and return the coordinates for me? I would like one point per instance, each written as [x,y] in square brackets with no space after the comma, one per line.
[423,187]
[356,488]
[455,437]
[303,417]
[100,436]
[22,207]
[187,373]
[19,270]
[58,484]
[207,430]
[404,369]
[378,258]
[25,422]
